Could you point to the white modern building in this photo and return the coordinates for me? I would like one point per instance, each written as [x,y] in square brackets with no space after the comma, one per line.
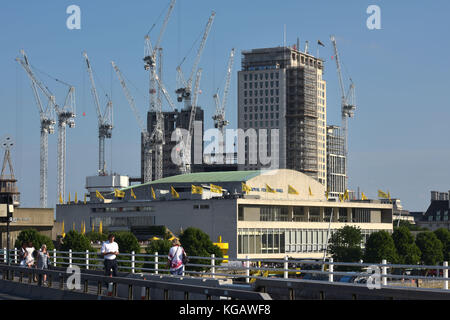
[285,213]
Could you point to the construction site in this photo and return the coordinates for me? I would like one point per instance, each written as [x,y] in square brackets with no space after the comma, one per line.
[279,88]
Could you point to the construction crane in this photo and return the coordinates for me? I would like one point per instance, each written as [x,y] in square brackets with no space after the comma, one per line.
[219,116]
[184,93]
[105,120]
[47,121]
[348,105]
[150,58]
[186,147]
[145,136]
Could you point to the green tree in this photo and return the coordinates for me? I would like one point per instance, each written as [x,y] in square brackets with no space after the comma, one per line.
[128,243]
[409,225]
[96,236]
[32,235]
[160,246]
[197,243]
[345,246]
[444,236]
[431,248]
[407,250]
[379,246]
[77,242]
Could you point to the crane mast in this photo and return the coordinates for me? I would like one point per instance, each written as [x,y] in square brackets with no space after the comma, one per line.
[153,62]
[219,117]
[47,121]
[348,105]
[145,136]
[105,121]
[184,93]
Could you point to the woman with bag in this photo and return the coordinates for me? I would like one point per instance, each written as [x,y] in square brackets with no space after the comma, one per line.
[177,258]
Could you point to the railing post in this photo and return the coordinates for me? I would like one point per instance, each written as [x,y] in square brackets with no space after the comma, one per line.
[70,258]
[331,270]
[5,256]
[15,255]
[54,257]
[384,272]
[445,275]
[213,263]
[247,270]
[132,262]
[156,262]
[286,266]
[87,259]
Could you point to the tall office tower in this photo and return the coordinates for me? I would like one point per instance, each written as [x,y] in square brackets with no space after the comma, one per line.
[336,176]
[282,88]
[173,120]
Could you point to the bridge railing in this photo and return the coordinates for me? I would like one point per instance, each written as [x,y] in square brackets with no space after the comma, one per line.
[247,270]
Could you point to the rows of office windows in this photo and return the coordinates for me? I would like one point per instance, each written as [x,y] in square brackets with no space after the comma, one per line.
[262,108]
[261,76]
[440,216]
[123,221]
[266,241]
[122,209]
[261,124]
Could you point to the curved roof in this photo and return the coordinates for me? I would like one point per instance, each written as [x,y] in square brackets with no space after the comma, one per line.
[205,177]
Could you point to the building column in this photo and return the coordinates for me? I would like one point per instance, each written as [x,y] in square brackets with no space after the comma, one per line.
[349,214]
[290,213]
[335,214]
[306,213]
[322,214]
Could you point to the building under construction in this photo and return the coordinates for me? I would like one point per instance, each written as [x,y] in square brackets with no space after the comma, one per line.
[336,175]
[173,120]
[282,88]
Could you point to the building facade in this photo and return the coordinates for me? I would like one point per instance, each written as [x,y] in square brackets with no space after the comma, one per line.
[336,168]
[283,88]
[437,214]
[284,213]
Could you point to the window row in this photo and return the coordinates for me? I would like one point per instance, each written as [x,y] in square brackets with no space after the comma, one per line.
[261,76]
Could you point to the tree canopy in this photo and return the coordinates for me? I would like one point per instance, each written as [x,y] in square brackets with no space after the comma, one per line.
[380,246]
[444,236]
[345,245]
[76,241]
[32,235]
[431,248]
[407,250]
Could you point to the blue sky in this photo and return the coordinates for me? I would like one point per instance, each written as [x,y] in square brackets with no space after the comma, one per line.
[398,140]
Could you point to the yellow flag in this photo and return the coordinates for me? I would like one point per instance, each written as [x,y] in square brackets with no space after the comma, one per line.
[174,192]
[246,188]
[196,190]
[382,194]
[215,189]
[93,229]
[132,194]
[76,198]
[85,198]
[62,230]
[73,226]
[100,227]
[310,192]
[341,198]
[327,192]
[119,193]
[60,199]
[363,196]
[99,195]
[291,190]
[83,228]
[269,189]
[346,196]
[153,194]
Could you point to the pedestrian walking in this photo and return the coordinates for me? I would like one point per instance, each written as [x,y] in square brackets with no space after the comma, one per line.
[43,261]
[177,258]
[109,251]
[29,259]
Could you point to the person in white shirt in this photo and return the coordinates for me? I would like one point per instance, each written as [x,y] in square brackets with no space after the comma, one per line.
[29,260]
[110,250]
[176,254]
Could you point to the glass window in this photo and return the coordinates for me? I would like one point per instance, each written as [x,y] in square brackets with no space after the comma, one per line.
[245,77]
